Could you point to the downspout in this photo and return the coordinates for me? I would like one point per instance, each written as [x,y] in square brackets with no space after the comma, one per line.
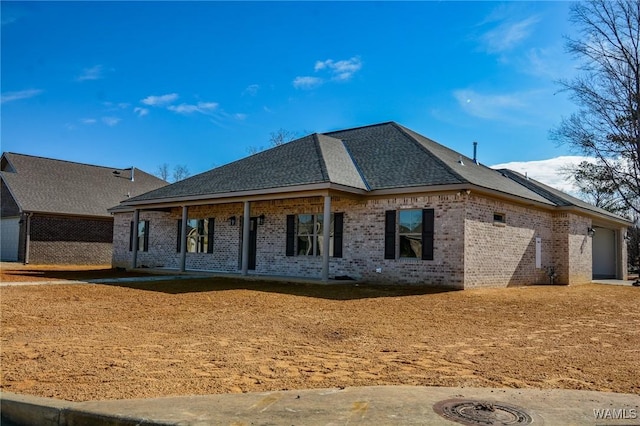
[27,239]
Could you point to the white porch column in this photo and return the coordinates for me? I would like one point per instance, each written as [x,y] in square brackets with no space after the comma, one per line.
[183,239]
[245,237]
[326,232]
[134,236]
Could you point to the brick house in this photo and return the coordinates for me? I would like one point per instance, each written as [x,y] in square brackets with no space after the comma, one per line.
[54,211]
[379,203]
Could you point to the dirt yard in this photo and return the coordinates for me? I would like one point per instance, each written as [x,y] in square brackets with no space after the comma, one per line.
[88,342]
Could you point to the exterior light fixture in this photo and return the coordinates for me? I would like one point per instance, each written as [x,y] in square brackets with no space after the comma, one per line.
[261,219]
[591,232]
[232,221]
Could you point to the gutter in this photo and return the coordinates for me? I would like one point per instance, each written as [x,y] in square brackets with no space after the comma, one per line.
[27,242]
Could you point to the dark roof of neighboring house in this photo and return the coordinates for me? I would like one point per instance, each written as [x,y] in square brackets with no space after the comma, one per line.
[384,156]
[46,185]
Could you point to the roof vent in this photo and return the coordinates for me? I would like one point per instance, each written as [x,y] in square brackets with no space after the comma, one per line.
[460,161]
[475,152]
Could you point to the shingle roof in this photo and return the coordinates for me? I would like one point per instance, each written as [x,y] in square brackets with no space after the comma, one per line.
[383,156]
[559,198]
[300,162]
[54,186]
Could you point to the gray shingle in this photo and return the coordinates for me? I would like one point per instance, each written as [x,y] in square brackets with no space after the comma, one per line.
[376,157]
[559,198]
[62,187]
[295,163]
[388,158]
[339,164]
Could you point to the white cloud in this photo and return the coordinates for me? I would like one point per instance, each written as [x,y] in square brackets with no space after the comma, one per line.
[307,82]
[340,70]
[160,100]
[508,35]
[22,94]
[506,27]
[111,121]
[240,116]
[549,172]
[333,71]
[251,90]
[201,107]
[141,111]
[88,121]
[93,73]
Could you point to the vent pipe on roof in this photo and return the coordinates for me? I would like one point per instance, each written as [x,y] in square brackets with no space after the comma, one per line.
[475,152]
[132,169]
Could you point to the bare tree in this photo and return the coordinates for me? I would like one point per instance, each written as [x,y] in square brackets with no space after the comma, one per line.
[281,136]
[277,138]
[596,186]
[180,172]
[163,172]
[607,93]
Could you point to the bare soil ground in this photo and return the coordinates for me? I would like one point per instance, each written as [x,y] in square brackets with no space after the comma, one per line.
[18,272]
[205,336]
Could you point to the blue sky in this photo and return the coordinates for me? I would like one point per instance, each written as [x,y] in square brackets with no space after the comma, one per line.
[200,83]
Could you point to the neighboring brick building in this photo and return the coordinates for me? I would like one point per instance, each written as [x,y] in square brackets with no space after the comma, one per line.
[400,208]
[55,211]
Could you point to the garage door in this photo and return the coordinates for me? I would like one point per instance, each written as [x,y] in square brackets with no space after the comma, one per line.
[9,231]
[604,253]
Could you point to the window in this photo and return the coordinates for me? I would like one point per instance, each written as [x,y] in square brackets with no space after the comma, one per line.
[310,234]
[413,236]
[199,236]
[142,235]
[410,231]
[305,234]
[499,218]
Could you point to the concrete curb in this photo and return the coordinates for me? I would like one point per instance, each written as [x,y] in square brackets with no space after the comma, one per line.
[379,405]
[33,410]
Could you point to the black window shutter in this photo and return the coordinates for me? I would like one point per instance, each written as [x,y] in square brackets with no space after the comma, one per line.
[212,222]
[338,220]
[291,234]
[427,234]
[390,234]
[131,236]
[145,244]
[179,239]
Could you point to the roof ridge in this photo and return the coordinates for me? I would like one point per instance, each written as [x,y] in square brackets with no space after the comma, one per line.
[358,128]
[356,165]
[321,160]
[68,161]
[351,160]
[402,130]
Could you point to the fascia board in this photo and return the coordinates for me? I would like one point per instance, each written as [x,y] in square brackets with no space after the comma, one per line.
[299,191]
[20,207]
